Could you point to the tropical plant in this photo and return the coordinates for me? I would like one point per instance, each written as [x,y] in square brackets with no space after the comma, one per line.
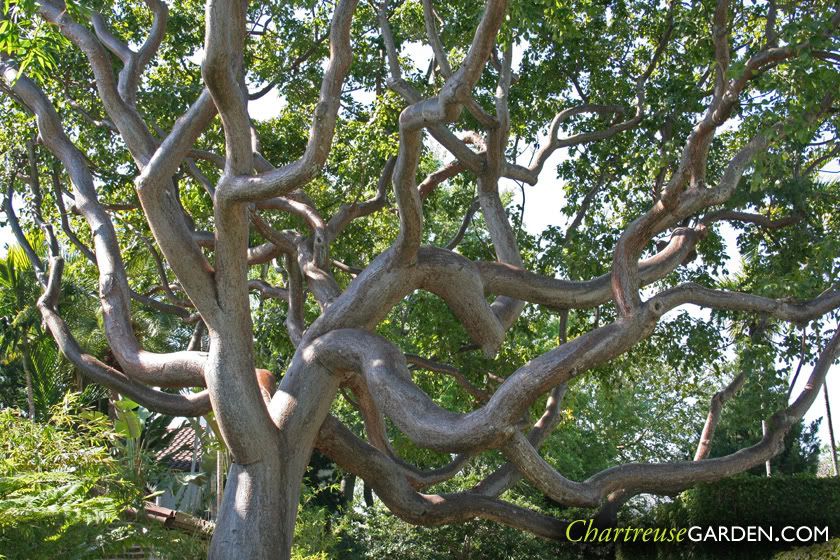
[63,493]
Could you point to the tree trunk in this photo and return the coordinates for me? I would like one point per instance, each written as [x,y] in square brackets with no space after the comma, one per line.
[259,507]
[257,517]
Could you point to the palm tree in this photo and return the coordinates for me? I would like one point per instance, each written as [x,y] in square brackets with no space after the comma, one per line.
[24,347]
[18,319]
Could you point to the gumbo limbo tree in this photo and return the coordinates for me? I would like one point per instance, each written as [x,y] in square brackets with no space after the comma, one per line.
[317,235]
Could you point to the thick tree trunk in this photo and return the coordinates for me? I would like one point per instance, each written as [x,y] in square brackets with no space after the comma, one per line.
[256,521]
[259,507]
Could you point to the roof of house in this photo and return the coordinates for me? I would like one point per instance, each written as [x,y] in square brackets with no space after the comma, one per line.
[179,452]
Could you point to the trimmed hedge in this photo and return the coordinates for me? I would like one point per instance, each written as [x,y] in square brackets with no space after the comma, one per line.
[752,500]
[748,500]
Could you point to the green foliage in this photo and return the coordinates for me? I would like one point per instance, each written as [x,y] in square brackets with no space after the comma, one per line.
[647,405]
[825,551]
[755,500]
[764,392]
[318,534]
[25,348]
[60,486]
[746,500]
[377,534]
[30,40]
[63,492]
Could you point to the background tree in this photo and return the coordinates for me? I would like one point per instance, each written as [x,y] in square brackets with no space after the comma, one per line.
[673,122]
[34,375]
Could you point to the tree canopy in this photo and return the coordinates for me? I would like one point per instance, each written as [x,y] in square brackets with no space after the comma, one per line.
[364,244]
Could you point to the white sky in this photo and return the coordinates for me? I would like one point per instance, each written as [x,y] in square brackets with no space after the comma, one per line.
[543,205]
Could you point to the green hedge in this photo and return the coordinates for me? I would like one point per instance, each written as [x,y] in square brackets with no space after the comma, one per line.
[753,500]
[780,501]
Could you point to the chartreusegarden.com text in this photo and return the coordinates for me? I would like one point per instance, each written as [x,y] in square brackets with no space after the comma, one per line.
[584,530]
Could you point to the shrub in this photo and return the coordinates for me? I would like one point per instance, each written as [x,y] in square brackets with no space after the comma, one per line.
[825,551]
[777,502]
[753,500]
[62,491]
[376,534]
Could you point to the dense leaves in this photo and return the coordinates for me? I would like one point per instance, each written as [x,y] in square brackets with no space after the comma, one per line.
[63,492]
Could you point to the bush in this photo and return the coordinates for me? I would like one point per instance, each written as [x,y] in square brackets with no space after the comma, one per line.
[753,500]
[376,533]
[62,492]
[825,551]
[797,500]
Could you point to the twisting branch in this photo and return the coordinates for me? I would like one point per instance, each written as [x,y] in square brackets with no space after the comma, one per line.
[434,39]
[814,165]
[677,203]
[133,62]
[349,212]
[124,116]
[495,423]
[531,174]
[480,395]
[177,307]
[704,446]
[796,312]
[161,271]
[799,366]
[445,173]
[267,290]
[320,239]
[389,481]
[600,182]
[443,108]
[506,476]
[440,132]
[271,436]
[284,179]
[58,194]
[465,224]
[534,288]
[295,325]
[191,404]
[630,479]
[20,237]
[175,369]
[758,219]
[37,197]
[237,398]
[636,478]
